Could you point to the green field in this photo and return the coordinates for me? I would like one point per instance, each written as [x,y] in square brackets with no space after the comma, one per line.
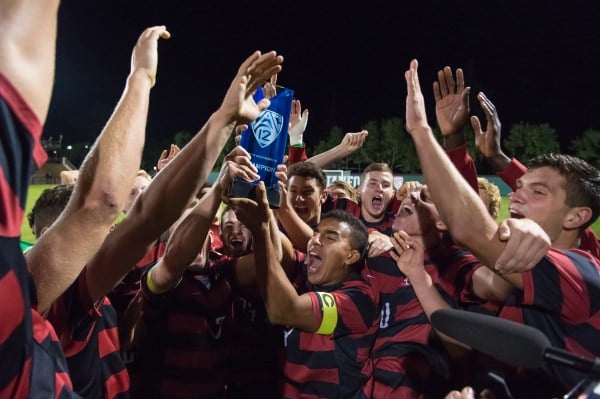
[36,190]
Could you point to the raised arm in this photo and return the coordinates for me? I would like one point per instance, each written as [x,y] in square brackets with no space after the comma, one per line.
[349,144]
[295,228]
[460,207]
[28,50]
[188,238]
[161,204]
[452,113]
[298,122]
[104,181]
[282,302]
[488,141]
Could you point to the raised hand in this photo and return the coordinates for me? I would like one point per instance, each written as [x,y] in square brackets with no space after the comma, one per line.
[144,57]
[416,117]
[238,104]
[451,101]
[353,141]
[298,122]
[165,157]
[488,141]
[270,88]
[236,164]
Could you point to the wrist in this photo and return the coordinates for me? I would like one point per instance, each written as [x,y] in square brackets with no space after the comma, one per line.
[139,78]
[417,277]
[453,140]
[296,141]
[223,117]
[499,161]
[422,133]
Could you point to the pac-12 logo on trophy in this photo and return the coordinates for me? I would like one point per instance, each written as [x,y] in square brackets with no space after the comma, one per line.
[266,142]
[267,127]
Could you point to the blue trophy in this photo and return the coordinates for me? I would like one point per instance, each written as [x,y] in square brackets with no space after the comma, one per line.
[266,141]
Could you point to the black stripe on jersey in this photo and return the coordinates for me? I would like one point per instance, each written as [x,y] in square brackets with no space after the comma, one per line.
[15,143]
[548,293]
[589,271]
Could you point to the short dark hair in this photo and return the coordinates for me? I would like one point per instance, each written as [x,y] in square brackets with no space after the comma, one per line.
[308,169]
[359,239]
[582,181]
[376,167]
[49,206]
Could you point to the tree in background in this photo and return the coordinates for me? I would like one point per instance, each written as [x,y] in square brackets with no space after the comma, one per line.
[387,142]
[527,141]
[181,138]
[588,147]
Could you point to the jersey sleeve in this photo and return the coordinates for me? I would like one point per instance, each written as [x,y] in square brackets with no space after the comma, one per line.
[512,172]
[345,311]
[464,164]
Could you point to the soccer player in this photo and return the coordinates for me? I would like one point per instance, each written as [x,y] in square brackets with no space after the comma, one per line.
[510,170]
[31,363]
[86,326]
[331,313]
[562,194]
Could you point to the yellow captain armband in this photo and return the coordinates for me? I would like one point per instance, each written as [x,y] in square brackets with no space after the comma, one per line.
[330,314]
[151,286]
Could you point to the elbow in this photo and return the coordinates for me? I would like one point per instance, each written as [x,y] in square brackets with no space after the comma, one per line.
[275,315]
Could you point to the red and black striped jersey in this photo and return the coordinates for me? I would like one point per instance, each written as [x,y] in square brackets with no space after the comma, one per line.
[408,356]
[31,361]
[90,340]
[337,364]
[184,345]
[561,298]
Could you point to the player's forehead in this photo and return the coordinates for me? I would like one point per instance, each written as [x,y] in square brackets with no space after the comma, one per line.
[378,176]
[229,217]
[543,176]
[302,182]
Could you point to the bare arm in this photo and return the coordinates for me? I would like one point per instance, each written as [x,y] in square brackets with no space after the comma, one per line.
[296,229]
[161,204]
[28,49]
[462,210]
[488,285]
[349,144]
[104,182]
[282,302]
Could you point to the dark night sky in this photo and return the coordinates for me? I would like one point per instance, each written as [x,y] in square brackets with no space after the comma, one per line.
[537,61]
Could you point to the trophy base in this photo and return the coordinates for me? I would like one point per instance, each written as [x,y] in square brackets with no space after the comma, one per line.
[244,189]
